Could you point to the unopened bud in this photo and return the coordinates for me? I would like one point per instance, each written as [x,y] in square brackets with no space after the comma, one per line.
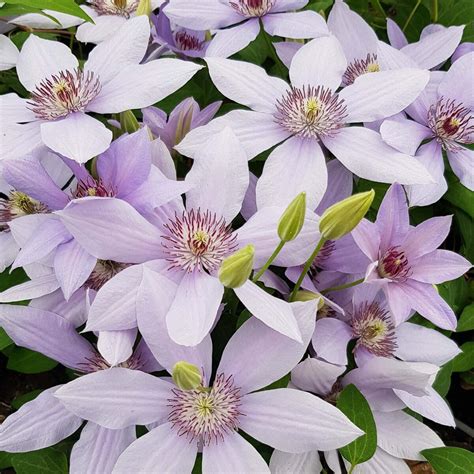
[236,269]
[342,217]
[186,376]
[292,220]
[144,8]
[305,295]
[128,122]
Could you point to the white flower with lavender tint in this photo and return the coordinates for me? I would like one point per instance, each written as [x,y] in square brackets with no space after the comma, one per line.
[61,93]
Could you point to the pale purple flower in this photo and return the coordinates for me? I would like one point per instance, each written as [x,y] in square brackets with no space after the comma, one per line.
[44,421]
[399,435]
[8,53]
[436,45]
[406,262]
[188,243]
[254,357]
[179,40]
[108,17]
[61,93]
[311,113]
[124,172]
[244,17]
[464,48]
[442,114]
[182,119]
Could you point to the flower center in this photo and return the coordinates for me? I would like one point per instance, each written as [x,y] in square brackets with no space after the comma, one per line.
[251,8]
[359,67]
[187,42]
[206,415]
[64,93]
[17,205]
[103,271]
[394,265]
[323,255]
[93,187]
[310,112]
[97,362]
[198,240]
[452,123]
[123,8]
[374,330]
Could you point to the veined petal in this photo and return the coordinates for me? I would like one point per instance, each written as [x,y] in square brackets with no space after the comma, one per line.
[297,25]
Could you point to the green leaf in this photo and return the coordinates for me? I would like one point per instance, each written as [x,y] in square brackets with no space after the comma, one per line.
[353,404]
[5,341]
[466,321]
[5,460]
[449,460]
[44,461]
[455,293]
[29,362]
[69,7]
[459,196]
[443,379]
[465,360]
[15,10]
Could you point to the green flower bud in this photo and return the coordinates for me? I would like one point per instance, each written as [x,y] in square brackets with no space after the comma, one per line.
[144,8]
[342,217]
[236,269]
[186,376]
[292,219]
[305,295]
[128,122]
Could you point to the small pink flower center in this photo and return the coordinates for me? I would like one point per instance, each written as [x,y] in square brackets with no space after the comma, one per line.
[451,123]
[198,240]
[374,329]
[187,42]
[18,204]
[64,93]
[103,271]
[93,188]
[359,67]
[394,265]
[310,112]
[97,362]
[124,8]
[252,8]
[206,415]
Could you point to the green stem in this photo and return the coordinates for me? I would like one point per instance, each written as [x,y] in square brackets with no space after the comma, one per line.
[434,12]
[412,13]
[306,268]
[273,53]
[269,261]
[380,8]
[343,287]
[351,470]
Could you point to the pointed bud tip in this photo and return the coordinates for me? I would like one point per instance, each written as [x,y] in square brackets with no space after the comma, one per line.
[235,270]
[292,220]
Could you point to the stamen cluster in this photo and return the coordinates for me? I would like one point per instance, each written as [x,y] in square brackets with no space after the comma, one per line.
[18,204]
[359,67]
[103,271]
[198,241]
[311,112]
[123,8]
[206,415]
[452,123]
[96,363]
[252,8]
[187,42]
[64,93]
[394,265]
[374,329]
[93,187]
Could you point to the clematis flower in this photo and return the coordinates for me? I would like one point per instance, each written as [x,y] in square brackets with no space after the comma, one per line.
[62,93]
[464,48]
[406,262]
[244,18]
[8,53]
[108,16]
[124,171]
[183,118]
[179,40]
[190,242]
[437,43]
[309,113]
[443,115]
[399,435]
[44,421]
[283,418]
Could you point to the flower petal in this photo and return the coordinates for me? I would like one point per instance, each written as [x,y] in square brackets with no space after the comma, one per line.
[8,53]
[103,27]
[455,84]
[330,340]
[297,25]
[295,421]
[462,163]
[395,34]
[404,135]
[116,346]
[302,463]
[15,109]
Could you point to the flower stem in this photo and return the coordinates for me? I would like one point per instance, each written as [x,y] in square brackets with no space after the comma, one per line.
[281,67]
[380,8]
[434,13]
[343,287]
[269,261]
[412,13]
[306,268]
